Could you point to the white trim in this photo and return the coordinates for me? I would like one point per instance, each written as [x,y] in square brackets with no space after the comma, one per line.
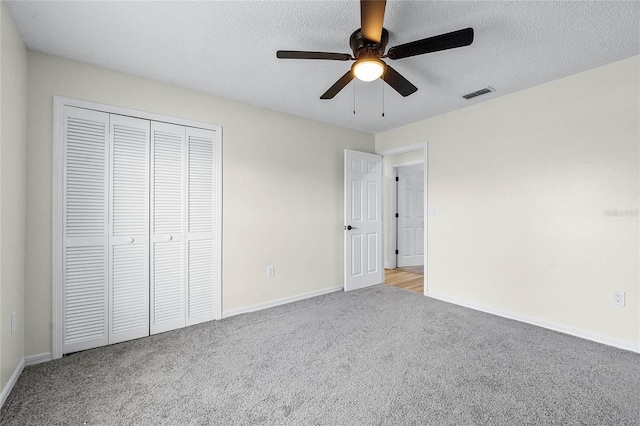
[389,265]
[57,249]
[58,110]
[218,224]
[403,149]
[426,217]
[37,359]
[408,163]
[11,383]
[584,334]
[284,301]
[60,101]
[24,362]
[393,220]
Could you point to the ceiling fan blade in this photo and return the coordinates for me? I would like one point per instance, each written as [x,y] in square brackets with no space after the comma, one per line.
[297,54]
[338,85]
[432,44]
[372,18]
[398,82]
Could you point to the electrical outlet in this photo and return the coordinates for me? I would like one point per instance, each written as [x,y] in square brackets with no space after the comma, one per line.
[271,271]
[13,322]
[617,297]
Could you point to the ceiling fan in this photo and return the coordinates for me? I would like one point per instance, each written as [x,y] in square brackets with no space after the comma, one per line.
[369,43]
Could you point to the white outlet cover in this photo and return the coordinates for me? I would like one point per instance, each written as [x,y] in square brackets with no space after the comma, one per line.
[617,297]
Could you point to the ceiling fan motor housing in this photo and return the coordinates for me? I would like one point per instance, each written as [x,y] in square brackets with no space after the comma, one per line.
[362,47]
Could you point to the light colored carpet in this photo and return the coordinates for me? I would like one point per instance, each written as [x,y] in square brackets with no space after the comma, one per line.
[379,356]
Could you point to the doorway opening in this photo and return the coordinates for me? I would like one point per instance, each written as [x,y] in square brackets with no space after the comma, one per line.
[405,223]
[370,223]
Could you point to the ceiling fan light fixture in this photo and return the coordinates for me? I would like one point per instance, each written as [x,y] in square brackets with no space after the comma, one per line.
[368,44]
[368,69]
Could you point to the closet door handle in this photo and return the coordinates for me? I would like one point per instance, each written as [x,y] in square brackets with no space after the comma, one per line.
[131,239]
[170,237]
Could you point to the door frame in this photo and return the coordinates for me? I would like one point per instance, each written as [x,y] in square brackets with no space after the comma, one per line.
[59,102]
[401,150]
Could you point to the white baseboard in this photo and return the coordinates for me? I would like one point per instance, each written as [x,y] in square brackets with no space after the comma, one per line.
[389,265]
[278,302]
[584,334]
[37,358]
[11,383]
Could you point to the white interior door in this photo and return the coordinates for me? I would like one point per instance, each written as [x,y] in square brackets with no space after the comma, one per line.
[168,257]
[84,229]
[129,229]
[410,216]
[363,241]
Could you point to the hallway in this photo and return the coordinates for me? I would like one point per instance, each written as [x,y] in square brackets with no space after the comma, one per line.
[408,278]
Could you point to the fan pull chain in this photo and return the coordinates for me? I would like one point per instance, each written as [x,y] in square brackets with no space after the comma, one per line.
[354,97]
[383,98]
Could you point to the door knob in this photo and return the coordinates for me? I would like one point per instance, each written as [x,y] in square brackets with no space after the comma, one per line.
[350,227]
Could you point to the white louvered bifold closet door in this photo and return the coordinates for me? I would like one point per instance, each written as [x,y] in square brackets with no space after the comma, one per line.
[129,229]
[168,188]
[200,247]
[139,242]
[84,229]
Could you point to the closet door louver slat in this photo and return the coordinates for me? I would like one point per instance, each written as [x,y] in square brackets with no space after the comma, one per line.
[200,222]
[168,228]
[84,263]
[129,293]
[201,300]
[168,293]
[129,225]
[85,295]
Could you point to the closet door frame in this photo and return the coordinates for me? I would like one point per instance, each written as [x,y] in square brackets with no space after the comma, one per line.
[59,103]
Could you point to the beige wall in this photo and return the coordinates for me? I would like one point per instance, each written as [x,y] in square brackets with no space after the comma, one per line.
[13,115]
[389,162]
[282,186]
[522,184]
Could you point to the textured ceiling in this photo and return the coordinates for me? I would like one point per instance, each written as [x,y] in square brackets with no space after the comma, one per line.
[227,48]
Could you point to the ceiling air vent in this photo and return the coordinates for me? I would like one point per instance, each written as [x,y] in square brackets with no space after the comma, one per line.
[477,93]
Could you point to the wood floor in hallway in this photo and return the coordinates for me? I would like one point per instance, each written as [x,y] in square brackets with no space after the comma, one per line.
[407,280]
